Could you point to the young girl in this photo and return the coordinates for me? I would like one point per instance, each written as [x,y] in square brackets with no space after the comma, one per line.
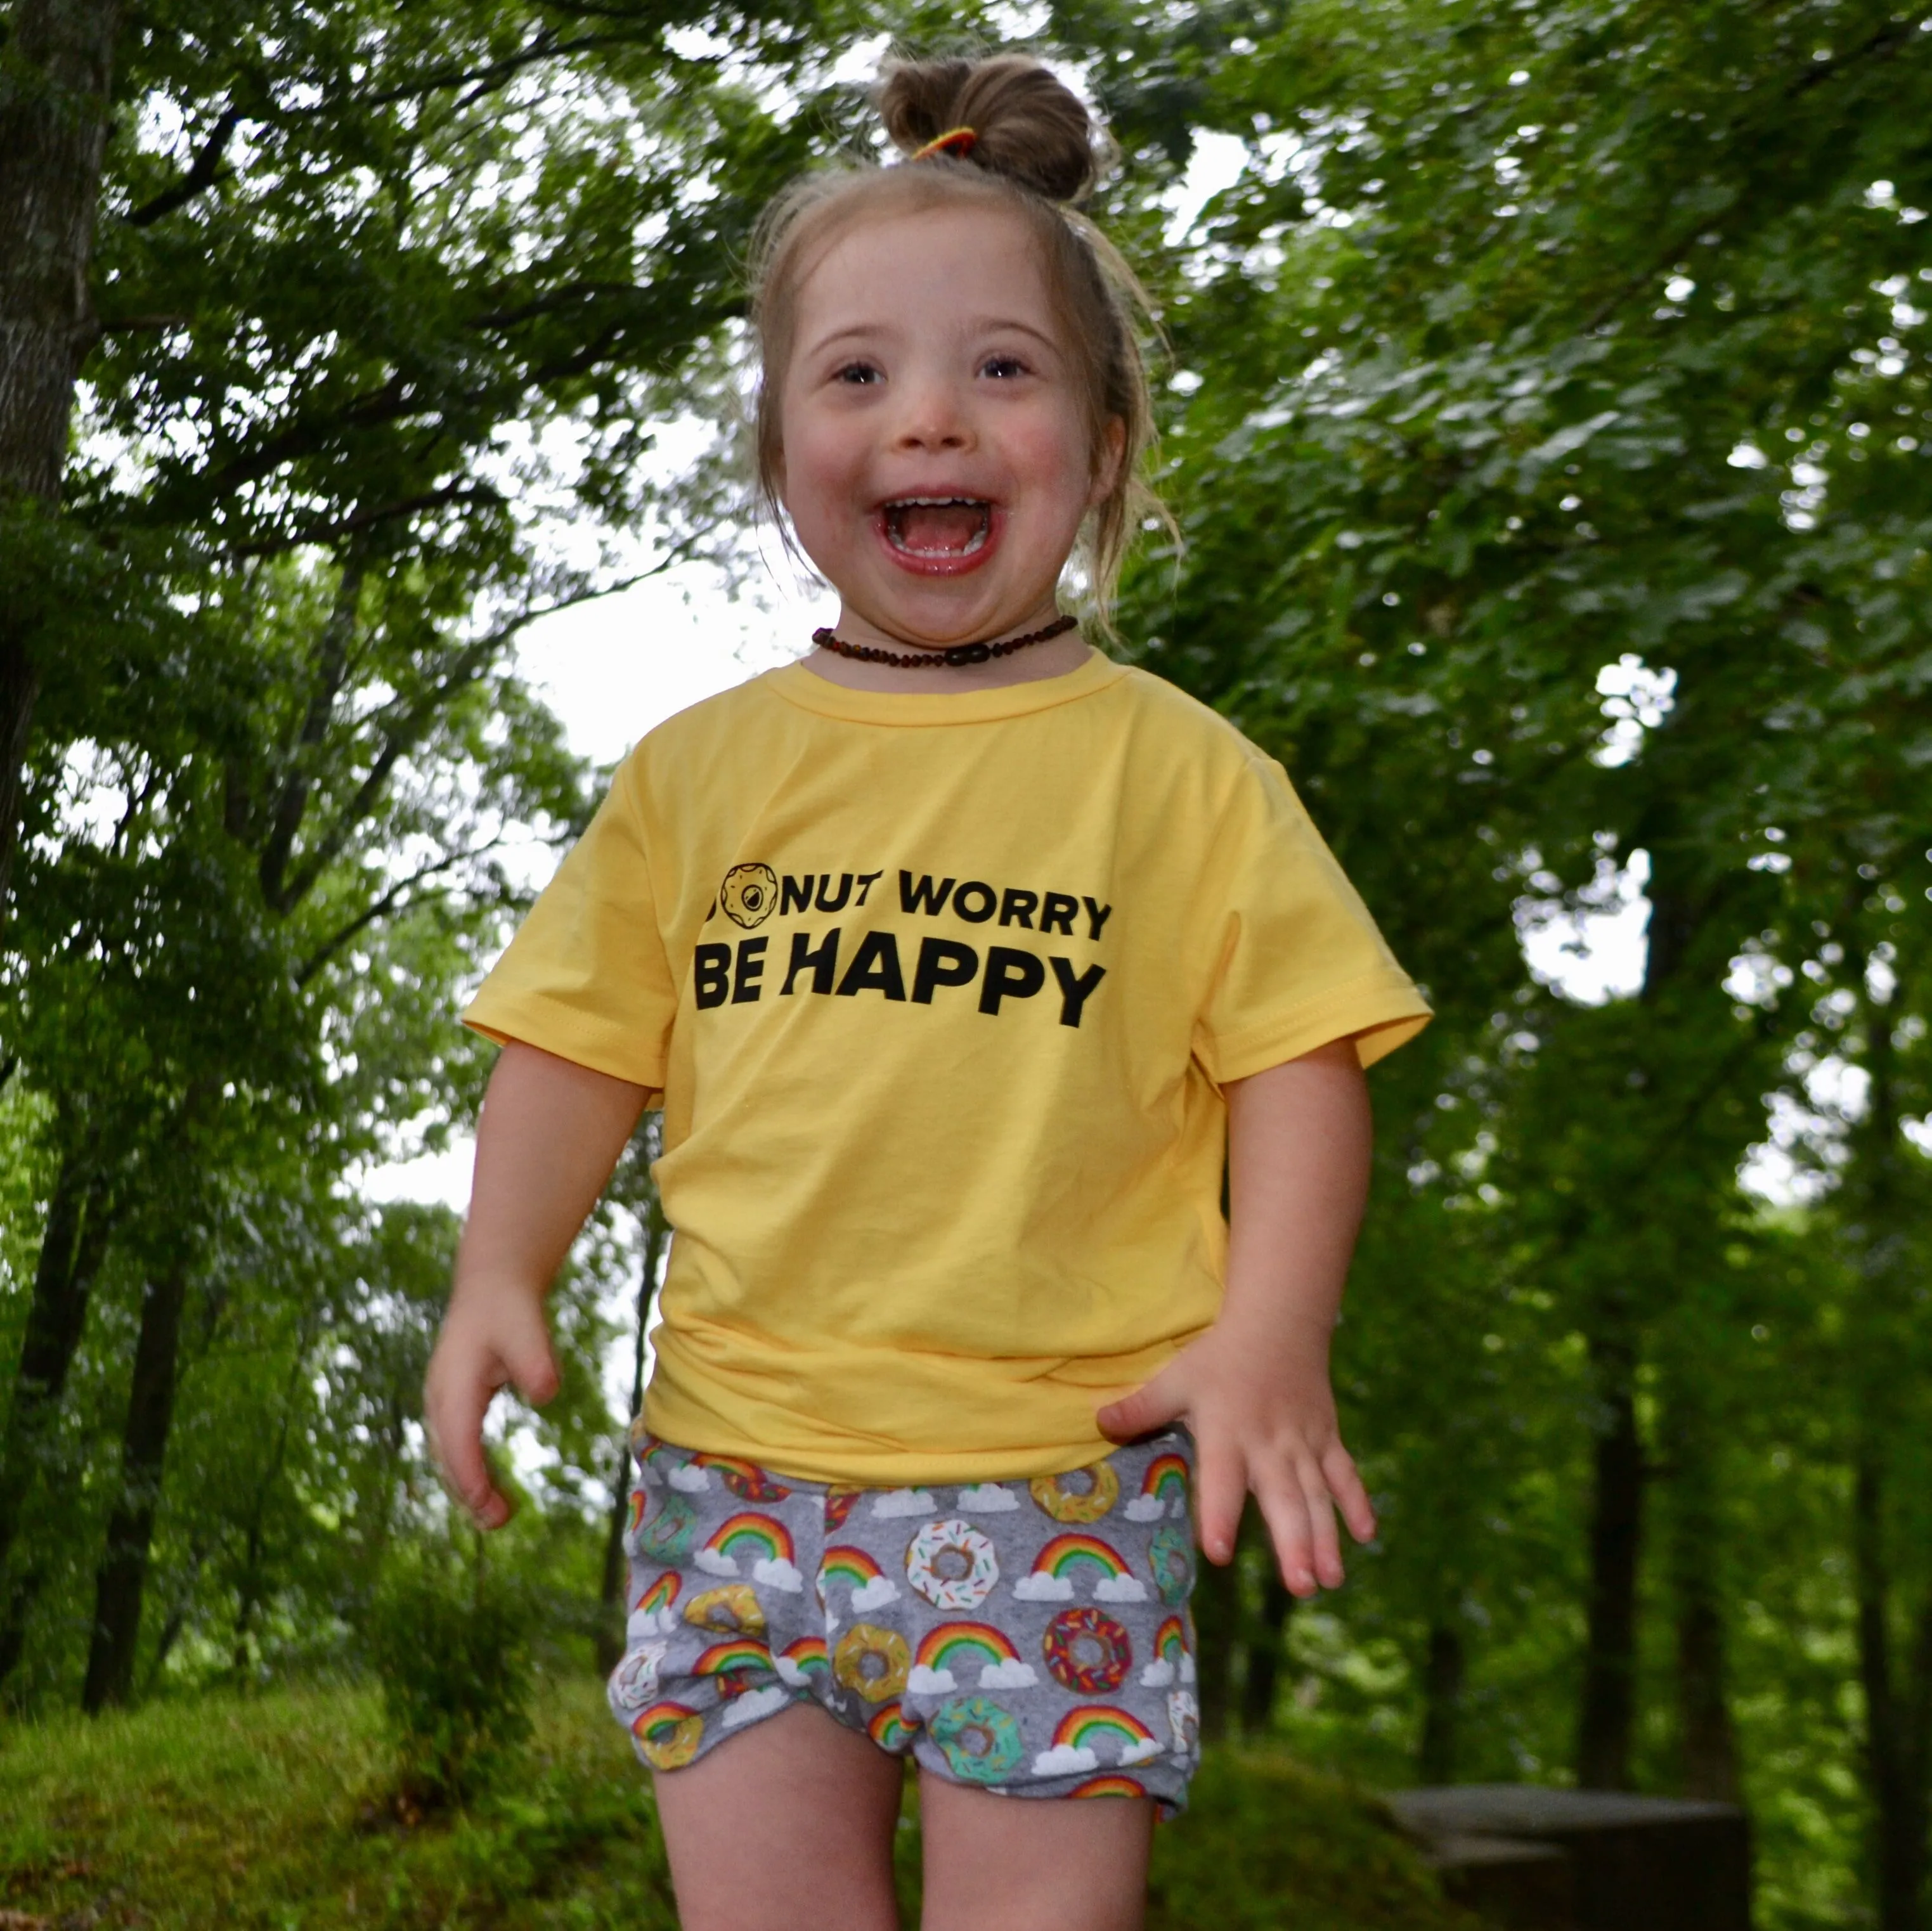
[959,958]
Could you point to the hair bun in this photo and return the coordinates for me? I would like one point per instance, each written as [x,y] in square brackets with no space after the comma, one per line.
[1027,125]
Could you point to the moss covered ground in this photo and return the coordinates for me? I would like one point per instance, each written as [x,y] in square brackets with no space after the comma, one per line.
[274,1812]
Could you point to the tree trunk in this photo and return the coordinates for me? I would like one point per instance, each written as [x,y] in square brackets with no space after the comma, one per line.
[54,84]
[1265,1639]
[1217,1620]
[1616,1515]
[1443,1673]
[1898,1733]
[73,1244]
[123,1573]
[1707,1739]
[612,1608]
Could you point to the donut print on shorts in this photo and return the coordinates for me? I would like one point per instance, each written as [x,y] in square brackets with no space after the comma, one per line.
[1029,1636]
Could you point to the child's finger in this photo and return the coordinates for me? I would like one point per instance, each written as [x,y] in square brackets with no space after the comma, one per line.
[528,1361]
[1325,1541]
[1285,1509]
[1152,1405]
[1352,1496]
[453,1414]
[1221,1482]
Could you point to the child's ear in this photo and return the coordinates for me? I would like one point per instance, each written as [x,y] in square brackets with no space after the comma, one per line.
[1107,461]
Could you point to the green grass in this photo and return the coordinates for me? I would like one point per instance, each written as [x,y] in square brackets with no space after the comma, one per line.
[271,1813]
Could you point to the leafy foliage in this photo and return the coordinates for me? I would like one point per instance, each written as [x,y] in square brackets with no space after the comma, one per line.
[452,1653]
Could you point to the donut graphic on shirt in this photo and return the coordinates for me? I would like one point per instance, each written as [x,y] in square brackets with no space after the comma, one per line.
[749,894]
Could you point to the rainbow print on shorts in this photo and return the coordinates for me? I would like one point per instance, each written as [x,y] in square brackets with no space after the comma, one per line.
[745,1479]
[1172,1662]
[764,1539]
[853,1569]
[949,1652]
[1163,1490]
[799,1662]
[1080,1734]
[1109,1785]
[1067,1558]
[889,1729]
[652,1614]
[734,1653]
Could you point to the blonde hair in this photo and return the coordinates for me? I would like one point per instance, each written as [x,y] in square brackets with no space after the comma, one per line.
[1034,150]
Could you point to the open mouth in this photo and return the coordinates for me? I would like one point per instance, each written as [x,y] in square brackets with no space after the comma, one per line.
[937,529]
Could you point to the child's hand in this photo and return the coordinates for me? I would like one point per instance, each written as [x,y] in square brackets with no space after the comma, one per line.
[1254,1389]
[550,1132]
[491,1338]
[1262,1419]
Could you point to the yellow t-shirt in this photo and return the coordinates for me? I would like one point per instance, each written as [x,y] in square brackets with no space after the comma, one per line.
[939,992]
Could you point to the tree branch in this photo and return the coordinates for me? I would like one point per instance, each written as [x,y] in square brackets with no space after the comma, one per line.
[366,519]
[379,907]
[203,173]
[331,667]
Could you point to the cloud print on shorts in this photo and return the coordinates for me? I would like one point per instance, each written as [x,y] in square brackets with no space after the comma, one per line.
[1013,1675]
[716,1561]
[874,1595]
[688,1477]
[988,1498]
[1065,1760]
[647,1622]
[1120,1589]
[1158,1674]
[755,1703]
[905,1502]
[922,1681]
[1146,1509]
[790,1671]
[1140,1753]
[777,1573]
[1042,1587]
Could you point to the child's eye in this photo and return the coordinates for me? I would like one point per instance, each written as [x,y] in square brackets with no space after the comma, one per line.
[1004,367]
[857,373]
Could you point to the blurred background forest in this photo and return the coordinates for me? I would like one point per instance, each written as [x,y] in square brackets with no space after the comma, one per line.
[1548,420]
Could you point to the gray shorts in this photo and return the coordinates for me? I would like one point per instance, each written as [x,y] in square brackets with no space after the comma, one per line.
[1029,1637]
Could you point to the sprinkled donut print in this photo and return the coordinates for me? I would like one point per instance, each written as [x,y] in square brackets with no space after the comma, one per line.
[669,1523]
[731,1611]
[871,1662]
[981,1741]
[1171,1555]
[951,1565]
[668,1735]
[1079,1495]
[1088,1652]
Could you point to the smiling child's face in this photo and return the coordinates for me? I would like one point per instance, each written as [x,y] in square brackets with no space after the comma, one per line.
[936,459]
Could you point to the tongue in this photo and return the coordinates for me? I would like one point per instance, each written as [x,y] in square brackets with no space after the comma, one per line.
[934,526]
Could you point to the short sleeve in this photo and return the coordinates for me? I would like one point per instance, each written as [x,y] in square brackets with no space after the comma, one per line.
[586,976]
[1301,962]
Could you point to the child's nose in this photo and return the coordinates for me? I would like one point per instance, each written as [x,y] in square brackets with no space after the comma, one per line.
[935,417]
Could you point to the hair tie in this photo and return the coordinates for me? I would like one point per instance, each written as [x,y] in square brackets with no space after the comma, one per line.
[960,141]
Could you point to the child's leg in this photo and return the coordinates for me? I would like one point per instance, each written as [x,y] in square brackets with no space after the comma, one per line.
[788,1826]
[1033,1864]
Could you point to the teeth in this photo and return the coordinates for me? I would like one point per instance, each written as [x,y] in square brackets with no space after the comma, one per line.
[976,542]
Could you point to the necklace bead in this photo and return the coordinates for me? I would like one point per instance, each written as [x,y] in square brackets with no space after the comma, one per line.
[958,655]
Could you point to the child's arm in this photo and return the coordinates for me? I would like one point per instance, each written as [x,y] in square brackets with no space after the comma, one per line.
[1255,1388]
[551,1131]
